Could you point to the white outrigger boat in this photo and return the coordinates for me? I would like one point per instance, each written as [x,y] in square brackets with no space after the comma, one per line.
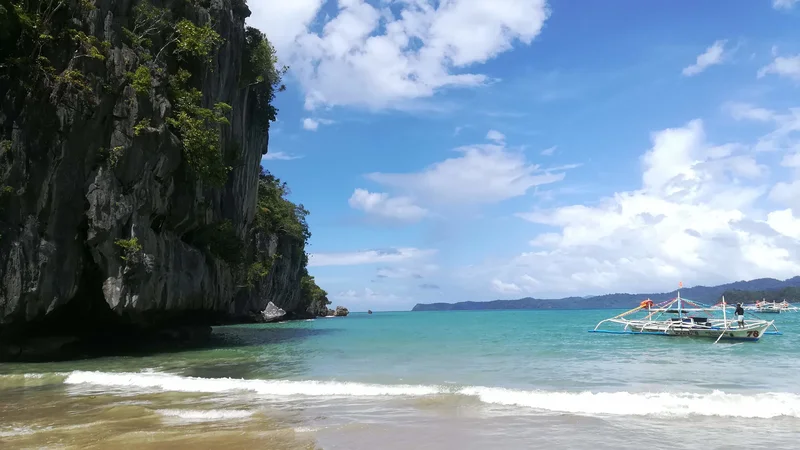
[682,319]
[764,307]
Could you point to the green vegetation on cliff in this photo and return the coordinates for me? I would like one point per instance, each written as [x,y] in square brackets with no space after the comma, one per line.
[317,297]
[277,215]
[148,87]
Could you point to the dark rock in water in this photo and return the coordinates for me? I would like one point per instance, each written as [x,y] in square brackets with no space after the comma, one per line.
[341,311]
[369,311]
[272,313]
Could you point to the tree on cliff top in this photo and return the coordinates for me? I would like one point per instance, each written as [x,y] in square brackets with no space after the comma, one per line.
[276,214]
[316,297]
[260,73]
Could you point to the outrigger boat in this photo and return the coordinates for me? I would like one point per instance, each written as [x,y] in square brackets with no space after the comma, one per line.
[682,319]
[763,307]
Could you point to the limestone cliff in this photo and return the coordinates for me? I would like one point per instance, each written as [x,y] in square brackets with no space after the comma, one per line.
[131,135]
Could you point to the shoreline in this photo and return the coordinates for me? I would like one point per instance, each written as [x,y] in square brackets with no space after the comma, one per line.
[35,345]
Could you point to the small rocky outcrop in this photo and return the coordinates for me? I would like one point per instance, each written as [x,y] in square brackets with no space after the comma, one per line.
[272,313]
[341,311]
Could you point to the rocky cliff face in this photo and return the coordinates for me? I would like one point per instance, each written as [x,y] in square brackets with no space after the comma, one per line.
[108,214]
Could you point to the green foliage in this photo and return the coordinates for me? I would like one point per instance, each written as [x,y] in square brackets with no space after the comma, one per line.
[260,60]
[148,22]
[276,214]
[260,73]
[141,80]
[90,46]
[220,240]
[31,33]
[114,155]
[789,294]
[199,41]
[316,298]
[76,80]
[142,126]
[5,145]
[199,130]
[6,190]
[131,247]
[260,269]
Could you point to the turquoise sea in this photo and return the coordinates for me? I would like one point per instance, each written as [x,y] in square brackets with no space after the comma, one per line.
[419,380]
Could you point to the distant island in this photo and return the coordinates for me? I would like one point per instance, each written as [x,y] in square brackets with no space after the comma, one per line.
[741,291]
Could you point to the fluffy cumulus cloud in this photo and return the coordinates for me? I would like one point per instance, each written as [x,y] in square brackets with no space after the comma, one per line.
[496,136]
[381,54]
[480,174]
[784,66]
[382,205]
[715,54]
[704,214]
[313,124]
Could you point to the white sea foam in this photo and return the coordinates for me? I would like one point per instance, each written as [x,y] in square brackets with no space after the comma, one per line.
[267,387]
[715,403]
[198,415]
[18,431]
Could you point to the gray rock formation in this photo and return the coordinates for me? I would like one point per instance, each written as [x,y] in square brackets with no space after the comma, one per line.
[272,313]
[79,180]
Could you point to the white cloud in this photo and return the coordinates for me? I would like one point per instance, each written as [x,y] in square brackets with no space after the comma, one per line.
[549,151]
[383,205]
[505,288]
[784,66]
[782,138]
[698,217]
[416,271]
[784,4]
[280,156]
[368,257]
[482,174]
[378,57]
[366,298]
[715,54]
[312,124]
[496,136]
[283,21]
[745,111]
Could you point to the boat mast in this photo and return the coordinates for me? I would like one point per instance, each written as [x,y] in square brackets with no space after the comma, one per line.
[680,305]
[724,315]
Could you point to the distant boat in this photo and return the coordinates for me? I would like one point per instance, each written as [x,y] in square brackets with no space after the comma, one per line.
[773,308]
[765,307]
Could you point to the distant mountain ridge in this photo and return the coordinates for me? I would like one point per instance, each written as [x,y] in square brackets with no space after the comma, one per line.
[703,294]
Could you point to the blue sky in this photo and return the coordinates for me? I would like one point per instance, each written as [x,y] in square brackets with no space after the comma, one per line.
[468,150]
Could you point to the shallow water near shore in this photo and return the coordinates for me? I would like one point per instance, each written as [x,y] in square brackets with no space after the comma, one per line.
[436,380]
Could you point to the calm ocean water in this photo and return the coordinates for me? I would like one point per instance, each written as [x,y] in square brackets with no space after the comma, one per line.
[434,380]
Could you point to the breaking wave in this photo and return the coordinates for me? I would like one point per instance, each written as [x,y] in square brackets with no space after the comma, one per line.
[715,403]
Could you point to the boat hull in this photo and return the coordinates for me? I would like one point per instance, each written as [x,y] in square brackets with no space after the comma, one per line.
[747,333]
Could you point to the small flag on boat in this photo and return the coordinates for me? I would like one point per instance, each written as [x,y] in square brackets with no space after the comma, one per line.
[680,284]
